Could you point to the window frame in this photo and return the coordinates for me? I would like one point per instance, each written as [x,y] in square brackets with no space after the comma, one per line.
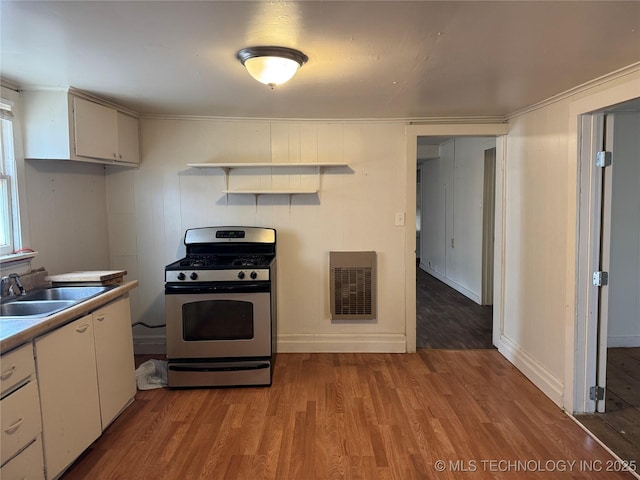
[12,166]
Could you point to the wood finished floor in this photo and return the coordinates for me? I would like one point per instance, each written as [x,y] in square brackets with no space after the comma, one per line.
[351,416]
[445,318]
[619,427]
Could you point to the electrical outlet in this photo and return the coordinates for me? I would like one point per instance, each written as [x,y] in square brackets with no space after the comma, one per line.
[399,219]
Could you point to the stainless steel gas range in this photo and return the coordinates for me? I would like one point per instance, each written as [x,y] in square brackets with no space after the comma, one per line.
[221,308]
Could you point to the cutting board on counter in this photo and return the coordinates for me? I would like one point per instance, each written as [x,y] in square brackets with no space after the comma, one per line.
[98,277]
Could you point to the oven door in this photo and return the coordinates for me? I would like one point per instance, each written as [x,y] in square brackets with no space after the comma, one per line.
[220,324]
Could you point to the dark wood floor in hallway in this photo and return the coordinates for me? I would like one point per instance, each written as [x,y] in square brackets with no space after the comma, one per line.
[445,318]
[434,414]
[619,427]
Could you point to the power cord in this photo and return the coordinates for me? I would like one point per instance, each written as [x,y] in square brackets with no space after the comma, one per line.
[149,326]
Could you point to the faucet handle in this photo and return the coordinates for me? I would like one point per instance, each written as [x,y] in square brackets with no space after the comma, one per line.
[16,281]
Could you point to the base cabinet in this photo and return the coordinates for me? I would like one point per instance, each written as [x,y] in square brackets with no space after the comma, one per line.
[66,370]
[26,466]
[114,359]
[86,375]
[20,419]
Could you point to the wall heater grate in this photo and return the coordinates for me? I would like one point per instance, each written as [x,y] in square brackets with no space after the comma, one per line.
[353,278]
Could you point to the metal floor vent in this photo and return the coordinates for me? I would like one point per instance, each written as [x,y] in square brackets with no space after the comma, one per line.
[353,278]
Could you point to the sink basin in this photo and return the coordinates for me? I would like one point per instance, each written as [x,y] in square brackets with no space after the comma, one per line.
[77,294]
[34,308]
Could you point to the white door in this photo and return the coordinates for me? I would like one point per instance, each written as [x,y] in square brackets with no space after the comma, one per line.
[605,261]
[595,224]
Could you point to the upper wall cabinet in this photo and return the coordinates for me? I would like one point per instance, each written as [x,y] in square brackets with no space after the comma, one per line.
[67,125]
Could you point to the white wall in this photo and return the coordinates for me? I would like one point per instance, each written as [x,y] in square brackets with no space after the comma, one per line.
[452,210]
[539,324]
[624,278]
[67,215]
[150,208]
[67,224]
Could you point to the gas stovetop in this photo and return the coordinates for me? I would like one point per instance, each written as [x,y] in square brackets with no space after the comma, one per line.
[224,254]
[221,261]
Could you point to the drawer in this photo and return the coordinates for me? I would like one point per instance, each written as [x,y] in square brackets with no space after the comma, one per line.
[26,466]
[15,366]
[20,420]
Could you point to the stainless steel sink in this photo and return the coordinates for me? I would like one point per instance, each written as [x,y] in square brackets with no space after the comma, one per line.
[48,301]
[77,294]
[35,308]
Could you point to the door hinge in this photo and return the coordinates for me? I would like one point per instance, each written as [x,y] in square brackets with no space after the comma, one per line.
[603,159]
[600,279]
[596,393]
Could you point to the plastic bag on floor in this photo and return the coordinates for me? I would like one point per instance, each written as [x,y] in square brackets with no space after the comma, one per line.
[151,374]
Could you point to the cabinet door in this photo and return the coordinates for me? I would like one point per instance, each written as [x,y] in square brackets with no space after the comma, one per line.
[66,371]
[128,143]
[96,130]
[114,358]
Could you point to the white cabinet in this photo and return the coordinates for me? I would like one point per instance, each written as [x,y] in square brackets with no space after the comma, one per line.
[20,447]
[26,466]
[66,369]
[16,367]
[114,358]
[86,376]
[128,139]
[66,125]
[96,129]
[20,420]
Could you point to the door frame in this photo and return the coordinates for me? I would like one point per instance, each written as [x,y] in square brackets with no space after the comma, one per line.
[498,130]
[581,321]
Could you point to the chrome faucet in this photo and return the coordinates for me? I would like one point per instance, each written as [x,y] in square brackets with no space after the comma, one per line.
[16,283]
[3,282]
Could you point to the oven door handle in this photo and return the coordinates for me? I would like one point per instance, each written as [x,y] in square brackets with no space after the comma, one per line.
[235,287]
[221,368]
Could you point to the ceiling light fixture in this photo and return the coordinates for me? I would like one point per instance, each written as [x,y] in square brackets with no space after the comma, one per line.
[271,65]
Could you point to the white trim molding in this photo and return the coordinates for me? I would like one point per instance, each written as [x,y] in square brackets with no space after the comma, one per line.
[551,386]
[342,343]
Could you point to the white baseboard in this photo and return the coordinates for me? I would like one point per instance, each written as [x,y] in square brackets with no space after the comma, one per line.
[627,341]
[447,281]
[150,345]
[342,343]
[550,385]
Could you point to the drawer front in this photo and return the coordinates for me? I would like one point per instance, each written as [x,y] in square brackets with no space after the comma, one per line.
[20,419]
[26,466]
[15,366]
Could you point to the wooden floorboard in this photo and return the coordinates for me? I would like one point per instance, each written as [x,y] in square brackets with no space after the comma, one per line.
[353,416]
[447,319]
[619,427]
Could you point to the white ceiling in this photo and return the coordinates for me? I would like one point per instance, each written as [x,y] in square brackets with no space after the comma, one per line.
[367,59]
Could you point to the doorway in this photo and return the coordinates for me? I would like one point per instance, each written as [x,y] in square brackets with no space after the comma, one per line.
[413,132]
[612,410]
[455,211]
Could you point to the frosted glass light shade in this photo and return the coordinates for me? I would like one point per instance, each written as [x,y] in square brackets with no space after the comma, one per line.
[271,65]
[271,70]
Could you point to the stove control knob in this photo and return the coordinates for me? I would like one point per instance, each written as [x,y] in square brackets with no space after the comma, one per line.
[240,275]
[181,276]
[193,276]
[253,275]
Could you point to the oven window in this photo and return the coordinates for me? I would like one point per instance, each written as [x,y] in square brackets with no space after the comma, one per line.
[217,320]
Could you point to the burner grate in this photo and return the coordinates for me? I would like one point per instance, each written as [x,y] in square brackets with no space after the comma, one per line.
[250,261]
[198,261]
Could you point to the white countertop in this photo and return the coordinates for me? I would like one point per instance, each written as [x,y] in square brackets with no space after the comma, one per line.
[15,332]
